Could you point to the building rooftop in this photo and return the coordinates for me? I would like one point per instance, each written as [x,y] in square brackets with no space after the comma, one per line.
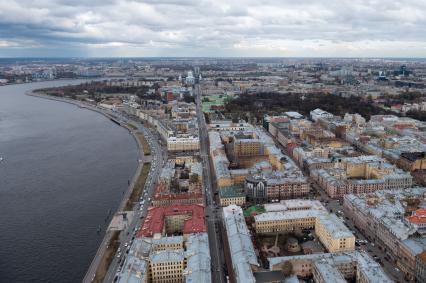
[388,207]
[413,156]
[145,251]
[335,226]
[241,247]
[231,192]
[166,256]
[329,272]
[279,168]
[422,257]
[155,220]
[134,270]
[418,217]
[294,115]
[364,263]
[341,173]
[198,267]
[294,204]
[415,245]
[286,215]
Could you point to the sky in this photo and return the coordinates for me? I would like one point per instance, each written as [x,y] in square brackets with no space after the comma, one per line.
[231,28]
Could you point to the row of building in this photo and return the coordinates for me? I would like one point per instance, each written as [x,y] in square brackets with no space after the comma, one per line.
[168,259]
[298,215]
[172,243]
[176,122]
[341,264]
[249,166]
[337,166]
[180,182]
[396,221]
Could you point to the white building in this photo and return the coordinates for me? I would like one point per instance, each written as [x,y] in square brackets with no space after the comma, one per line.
[318,113]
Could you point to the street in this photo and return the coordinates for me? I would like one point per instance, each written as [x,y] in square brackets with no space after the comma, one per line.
[140,211]
[157,162]
[213,216]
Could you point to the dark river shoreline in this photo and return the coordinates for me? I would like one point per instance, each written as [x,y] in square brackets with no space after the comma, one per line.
[63,169]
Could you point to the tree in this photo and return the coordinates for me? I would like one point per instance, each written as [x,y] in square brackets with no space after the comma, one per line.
[188,99]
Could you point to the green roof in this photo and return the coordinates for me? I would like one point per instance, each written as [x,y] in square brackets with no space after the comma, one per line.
[254,209]
[234,191]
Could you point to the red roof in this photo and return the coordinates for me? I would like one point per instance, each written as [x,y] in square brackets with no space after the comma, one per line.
[418,217]
[154,221]
[403,126]
[291,145]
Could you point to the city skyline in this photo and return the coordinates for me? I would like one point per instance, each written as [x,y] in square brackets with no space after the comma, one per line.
[212,29]
[242,170]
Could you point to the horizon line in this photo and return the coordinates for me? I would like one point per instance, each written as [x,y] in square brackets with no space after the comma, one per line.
[210,57]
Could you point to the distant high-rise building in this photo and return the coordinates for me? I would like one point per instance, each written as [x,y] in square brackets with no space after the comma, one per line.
[196,71]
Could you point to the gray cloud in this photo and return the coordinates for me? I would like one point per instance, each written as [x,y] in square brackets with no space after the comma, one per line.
[213,28]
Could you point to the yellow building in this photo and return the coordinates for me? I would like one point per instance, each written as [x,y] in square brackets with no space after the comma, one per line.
[248,147]
[232,195]
[182,159]
[332,233]
[167,260]
[224,181]
[284,221]
[171,243]
[411,161]
[167,266]
[183,143]
[361,174]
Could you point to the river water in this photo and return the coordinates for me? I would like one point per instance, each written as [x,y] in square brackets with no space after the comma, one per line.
[63,169]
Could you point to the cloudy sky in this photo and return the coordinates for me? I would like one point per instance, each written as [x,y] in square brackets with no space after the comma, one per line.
[343,28]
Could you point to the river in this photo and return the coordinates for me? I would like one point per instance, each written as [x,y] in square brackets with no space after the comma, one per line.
[63,169]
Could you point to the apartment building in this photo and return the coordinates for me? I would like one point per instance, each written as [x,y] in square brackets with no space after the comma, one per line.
[177,218]
[167,266]
[249,157]
[362,174]
[232,195]
[239,245]
[391,219]
[180,182]
[318,113]
[333,234]
[183,143]
[421,267]
[411,161]
[167,260]
[298,215]
[269,186]
[180,132]
[339,267]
